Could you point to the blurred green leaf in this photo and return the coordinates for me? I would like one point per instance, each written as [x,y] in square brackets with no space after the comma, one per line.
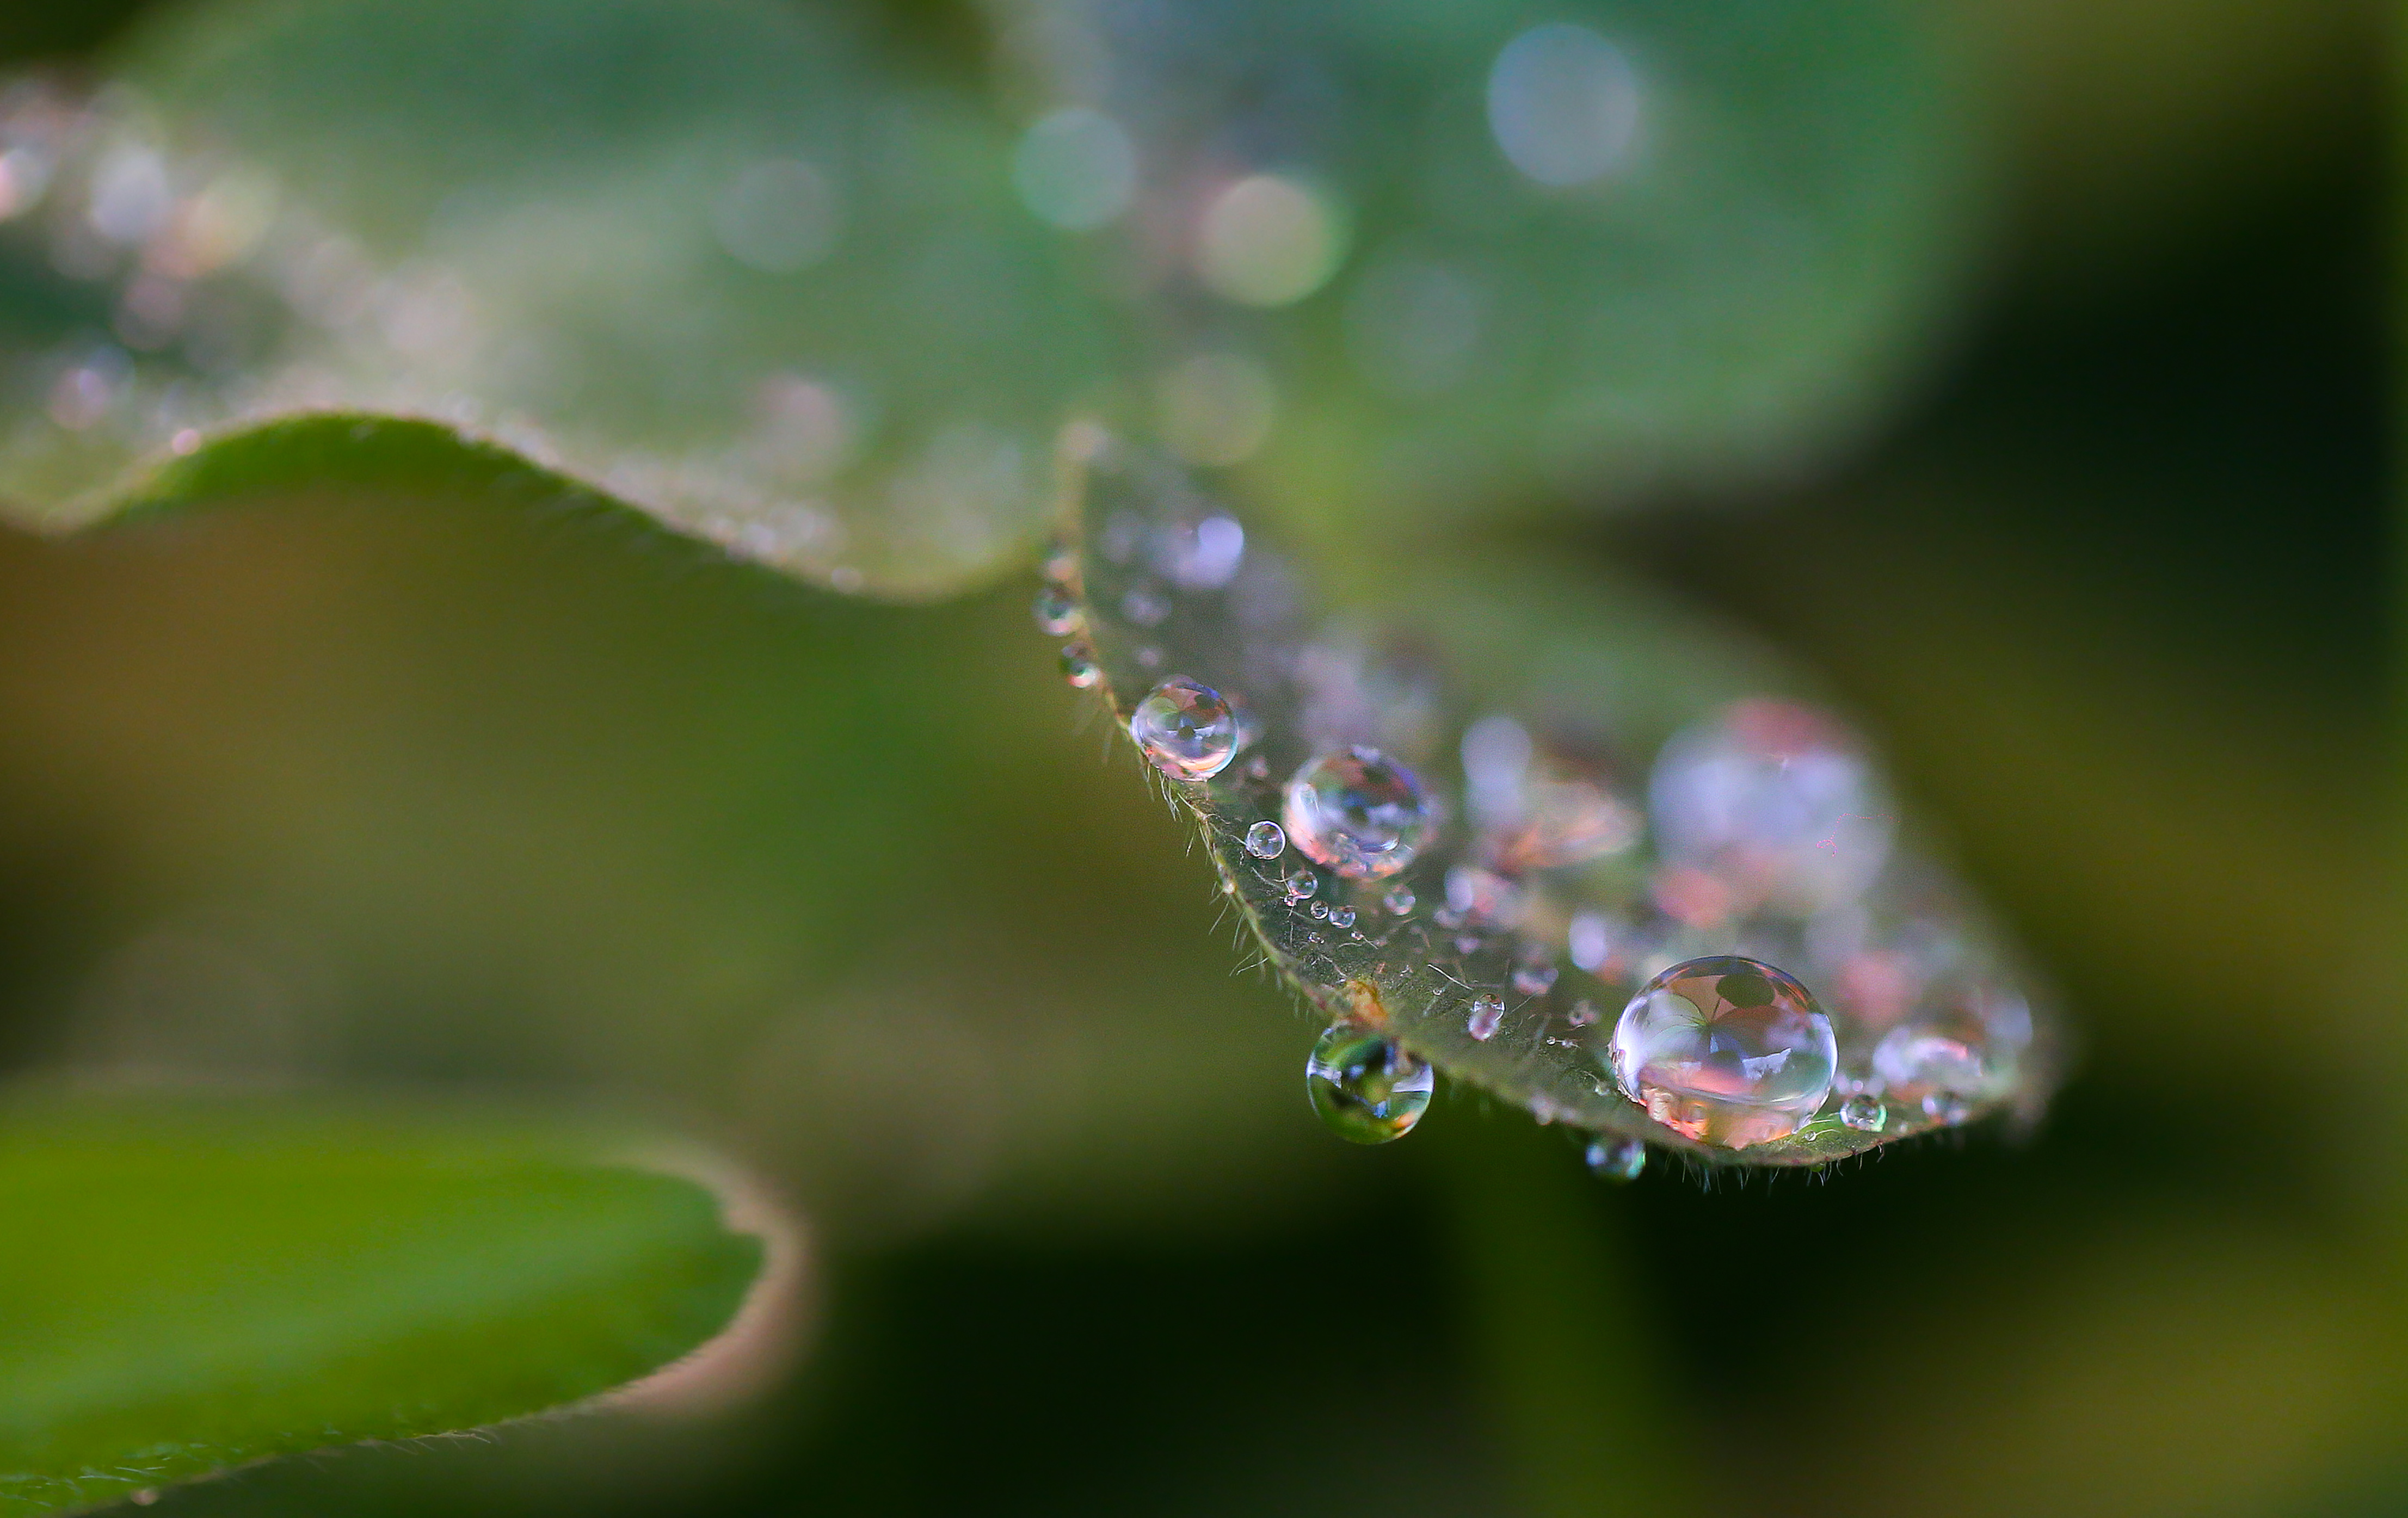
[197,1283]
[1409,263]
[726,261]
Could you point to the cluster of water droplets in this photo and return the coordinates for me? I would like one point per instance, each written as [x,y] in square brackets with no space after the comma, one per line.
[1736,957]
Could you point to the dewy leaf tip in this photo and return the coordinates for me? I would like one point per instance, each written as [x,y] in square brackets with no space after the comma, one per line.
[1745,960]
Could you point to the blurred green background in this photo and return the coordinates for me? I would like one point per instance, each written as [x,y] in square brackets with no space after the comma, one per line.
[431,788]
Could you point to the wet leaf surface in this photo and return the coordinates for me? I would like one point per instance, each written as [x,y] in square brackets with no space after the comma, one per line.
[1547,795]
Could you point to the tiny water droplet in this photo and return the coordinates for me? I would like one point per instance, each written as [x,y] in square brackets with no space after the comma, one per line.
[1342,917]
[1583,1012]
[1727,1050]
[1968,1042]
[1266,840]
[1061,564]
[1358,811]
[1318,911]
[1534,980]
[1468,944]
[1588,939]
[1365,1089]
[1947,1107]
[1079,666]
[1186,730]
[1148,657]
[1487,1012]
[1301,884]
[1863,1112]
[1399,902]
[1058,615]
[1145,605]
[1617,1160]
[1258,769]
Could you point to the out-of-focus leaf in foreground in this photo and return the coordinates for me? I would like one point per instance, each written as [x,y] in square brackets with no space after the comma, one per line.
[1433,822]
[1406,262]
[722,260]
[191,1284]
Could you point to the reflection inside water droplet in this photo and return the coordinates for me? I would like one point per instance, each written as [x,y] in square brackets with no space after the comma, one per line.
[1186,730]
[1726,1050]
[1358,811]
[1367,1089]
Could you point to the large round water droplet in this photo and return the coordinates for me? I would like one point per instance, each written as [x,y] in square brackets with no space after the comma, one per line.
[1186,730]
[1365,1089]
[1266,840]
[1358,811]
[1726,1050]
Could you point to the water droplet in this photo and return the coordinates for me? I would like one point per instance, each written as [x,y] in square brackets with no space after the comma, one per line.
[1145,605]
[1301,884]
[1358,811]
[1770,801]
[1318,911]
[1075,168]
[1186,730]
[1947,1107]
[1968,1046]
[1588,940]
[1616,1159]
[1863,1112]
[1079,666]
[1258,769]
[1148,657]
[1269,240]
[1341,916]
[1727,1050]
[1564,104]
[1398,903]
[1534,980]
[1482,898]
[1468,944]
[1058,615]
[1487,1014]
[1061,566]
[1367,1089]
[1266,840]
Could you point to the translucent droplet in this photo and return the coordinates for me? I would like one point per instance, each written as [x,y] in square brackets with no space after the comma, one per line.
[1617,1159]
[1186,730]
[1564,104]
[1583,1013]
[1588,939]
[1534,980]
[1266,840]
[1367,1089]
[1725,1050]
[1301,884]
[1058,615]
[1967,1046]
[1341,916]
[1947,1107]
[1318,911]
[1769,803]
[1144,606]
[1863,1112]
[1269,240]
[1358,811]
[1061,566]
[1398,902]
[1075,168]
[1487,1014]
[1079,666]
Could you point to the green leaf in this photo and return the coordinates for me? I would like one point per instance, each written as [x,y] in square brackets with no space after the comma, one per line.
[1583,250]
[726,261]
[197,1283]
[1519,718]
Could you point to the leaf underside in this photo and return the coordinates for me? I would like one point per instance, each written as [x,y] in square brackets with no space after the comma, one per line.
[1478,916]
